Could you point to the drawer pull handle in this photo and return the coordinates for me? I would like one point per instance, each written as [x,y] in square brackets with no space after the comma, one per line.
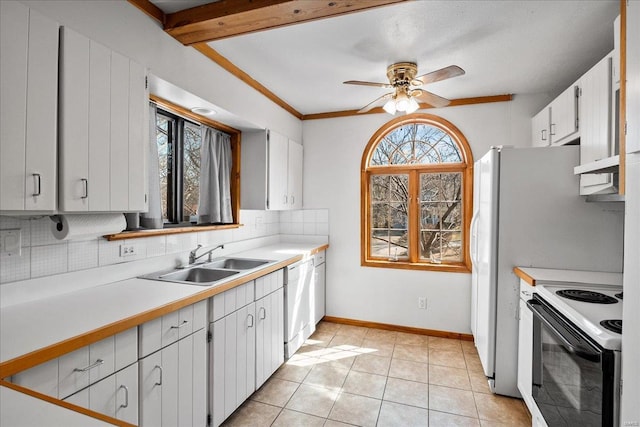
[262,313]
[159,382]
[184,323]
[126,396]
[36,177]
[88,368]
[250,317]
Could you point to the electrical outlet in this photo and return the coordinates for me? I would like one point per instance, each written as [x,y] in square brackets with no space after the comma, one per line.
[422,303]
[11,242]
[128,250]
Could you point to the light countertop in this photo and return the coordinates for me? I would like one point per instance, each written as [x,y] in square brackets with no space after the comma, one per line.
[32,326]
[533,276]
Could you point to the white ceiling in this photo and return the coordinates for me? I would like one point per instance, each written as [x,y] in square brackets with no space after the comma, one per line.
[517,47]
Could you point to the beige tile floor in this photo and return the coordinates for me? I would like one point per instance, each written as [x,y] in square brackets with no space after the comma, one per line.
[348,375]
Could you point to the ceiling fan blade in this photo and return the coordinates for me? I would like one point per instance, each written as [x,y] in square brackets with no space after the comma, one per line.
[378,102]
[358,82]
[441,74]
[430,98]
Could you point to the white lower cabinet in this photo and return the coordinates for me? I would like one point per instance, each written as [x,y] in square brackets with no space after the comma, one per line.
[247,342]
[319,293]
[115,395]
[173,384]
[525,348]
[269,335]
[173,369]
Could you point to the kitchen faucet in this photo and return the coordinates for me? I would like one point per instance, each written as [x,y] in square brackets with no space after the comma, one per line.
[192,255]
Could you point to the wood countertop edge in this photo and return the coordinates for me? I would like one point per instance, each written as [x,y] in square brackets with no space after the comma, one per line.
[66,405]
[524,276]
[36,357]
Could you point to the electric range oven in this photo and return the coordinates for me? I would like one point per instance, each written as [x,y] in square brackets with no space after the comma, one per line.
[576,354]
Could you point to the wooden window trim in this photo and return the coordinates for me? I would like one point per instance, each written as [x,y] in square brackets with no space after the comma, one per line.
[465,167]
[236,136]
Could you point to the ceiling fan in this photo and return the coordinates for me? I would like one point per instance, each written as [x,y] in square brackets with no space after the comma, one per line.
[407,93]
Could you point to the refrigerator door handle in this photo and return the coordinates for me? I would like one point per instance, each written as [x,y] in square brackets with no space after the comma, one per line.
[473,244]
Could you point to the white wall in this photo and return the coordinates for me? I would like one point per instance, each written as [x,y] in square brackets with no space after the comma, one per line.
[122,27]
[332,157]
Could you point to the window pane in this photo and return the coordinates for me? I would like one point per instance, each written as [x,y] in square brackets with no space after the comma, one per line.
[441,217]
[389,216]
[191,170]
[164,155]
[416,143]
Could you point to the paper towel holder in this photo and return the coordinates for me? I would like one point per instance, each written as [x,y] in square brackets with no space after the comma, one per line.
[57,220]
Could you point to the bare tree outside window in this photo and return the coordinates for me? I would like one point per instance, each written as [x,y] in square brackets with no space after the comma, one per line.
[164,157]
[415,189]
[191,171]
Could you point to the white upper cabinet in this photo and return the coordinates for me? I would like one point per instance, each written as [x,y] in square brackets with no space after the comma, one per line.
[29,100]
[540,129]
[294,182]
[563,126]
[103,128]
[557,123]
[271,172]
[632,140]
[595,134]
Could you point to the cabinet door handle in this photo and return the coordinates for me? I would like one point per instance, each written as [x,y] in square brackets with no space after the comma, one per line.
[184,323]
[250,321]
[553,130]
[85,183]
[88,368]
[159,382]
[126,396]
[262,313]
[36,183]
[285,199]
[544,136]
[293,199]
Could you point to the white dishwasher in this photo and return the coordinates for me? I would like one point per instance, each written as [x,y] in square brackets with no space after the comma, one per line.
[299,324]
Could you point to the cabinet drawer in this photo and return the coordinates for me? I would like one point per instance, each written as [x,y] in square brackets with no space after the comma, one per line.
[90,364]
[171,327]
[229,301]
[269,283]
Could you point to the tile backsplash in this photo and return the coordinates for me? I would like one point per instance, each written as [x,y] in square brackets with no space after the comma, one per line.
[43,255]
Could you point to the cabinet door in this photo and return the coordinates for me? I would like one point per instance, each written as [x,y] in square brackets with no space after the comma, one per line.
[277,172]
[74,122]
[294,179]
[245,353]
[525,348]
[632,141]
[138,138]
[99,127]
[264,331]
[564,116]
[28,123]
[595,132]
[119,140]
[126,394]
[540,129]
[319,293]
[151,386]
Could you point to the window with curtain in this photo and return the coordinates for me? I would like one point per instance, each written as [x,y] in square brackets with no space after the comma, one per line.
[194,171]
[417,174]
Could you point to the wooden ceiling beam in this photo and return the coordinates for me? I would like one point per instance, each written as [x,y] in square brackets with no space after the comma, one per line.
[378,110]
[228,18]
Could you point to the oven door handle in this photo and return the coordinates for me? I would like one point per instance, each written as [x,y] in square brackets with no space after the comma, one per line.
[568,339]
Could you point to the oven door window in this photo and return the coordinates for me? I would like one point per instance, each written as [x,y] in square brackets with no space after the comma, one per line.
[569,376]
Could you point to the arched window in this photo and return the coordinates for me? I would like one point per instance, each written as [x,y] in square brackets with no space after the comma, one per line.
[417,192]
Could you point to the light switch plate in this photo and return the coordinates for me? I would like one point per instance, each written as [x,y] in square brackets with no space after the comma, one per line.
[11,242]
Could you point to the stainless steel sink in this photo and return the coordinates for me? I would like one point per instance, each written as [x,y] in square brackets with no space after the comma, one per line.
[195,276]
[237,263]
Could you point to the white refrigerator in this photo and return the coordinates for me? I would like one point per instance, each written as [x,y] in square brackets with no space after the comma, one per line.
[528,212]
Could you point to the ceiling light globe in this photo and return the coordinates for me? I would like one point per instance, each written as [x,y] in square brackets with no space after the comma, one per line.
[390,106]
[412,106]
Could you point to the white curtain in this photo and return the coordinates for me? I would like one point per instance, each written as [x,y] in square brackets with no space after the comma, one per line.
[215,177]
[153,218]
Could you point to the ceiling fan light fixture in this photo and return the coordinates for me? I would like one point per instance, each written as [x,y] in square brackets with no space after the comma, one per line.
[390,106]
[402,101]
[412,105]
